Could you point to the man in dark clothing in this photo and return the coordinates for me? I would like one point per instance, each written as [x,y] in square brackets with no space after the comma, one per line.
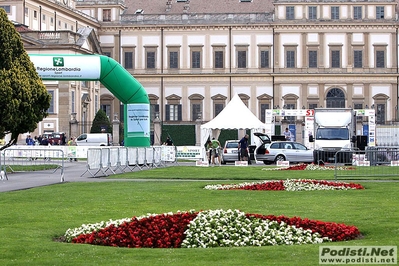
[243,146]
[44,141]
[168,142]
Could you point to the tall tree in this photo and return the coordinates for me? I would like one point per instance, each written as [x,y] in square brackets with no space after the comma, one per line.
[101,123]
[24,99]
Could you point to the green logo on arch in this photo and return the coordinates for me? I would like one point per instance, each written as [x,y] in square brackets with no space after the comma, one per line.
[58,61]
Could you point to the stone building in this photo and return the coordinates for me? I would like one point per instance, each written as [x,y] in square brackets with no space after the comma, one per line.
[192,56]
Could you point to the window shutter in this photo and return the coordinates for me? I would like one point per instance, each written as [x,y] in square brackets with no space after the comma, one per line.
[179,115]
[167,112]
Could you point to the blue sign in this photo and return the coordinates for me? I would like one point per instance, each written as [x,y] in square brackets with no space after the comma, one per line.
[292,129]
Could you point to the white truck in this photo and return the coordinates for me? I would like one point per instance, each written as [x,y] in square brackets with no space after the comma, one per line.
[335,130]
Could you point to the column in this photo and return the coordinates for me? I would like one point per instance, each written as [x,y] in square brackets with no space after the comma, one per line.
[157,130]
[115,130]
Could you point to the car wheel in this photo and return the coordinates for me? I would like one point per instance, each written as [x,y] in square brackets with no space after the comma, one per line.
[280,158]
[267,162]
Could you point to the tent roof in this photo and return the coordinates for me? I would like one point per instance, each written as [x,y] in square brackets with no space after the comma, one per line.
[235,115]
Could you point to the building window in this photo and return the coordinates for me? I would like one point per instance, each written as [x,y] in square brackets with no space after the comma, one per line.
[150,56]
[312,10]
[379,12]
[357,58]
[6,8]
[312,59]
[51,21]
[335,12]
[218,108]
[218,103]
[335,57]
[196,106]
[289,12]
[128,60]
[242,56]
[219,61]
[173,112]
[312,106]
[264,59]
[196,111]
[73,99]
[96,103]
[173,59]
[263,108]
[357,12]
[44,18]
[290,58]
[380,59]
[106,14]
[66,26]
[241,59]
[52,101]
[196,57]
[154,109]
[218,57]
[380,113]
[35,14]
[107,54]
[335,98]
[26,11]
[107,109]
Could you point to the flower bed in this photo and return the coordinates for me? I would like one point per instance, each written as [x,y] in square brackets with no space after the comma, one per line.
[311,166]
[211,228]
[288,185]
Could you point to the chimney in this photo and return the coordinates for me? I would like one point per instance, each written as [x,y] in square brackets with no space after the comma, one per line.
[186,6]
[168,5]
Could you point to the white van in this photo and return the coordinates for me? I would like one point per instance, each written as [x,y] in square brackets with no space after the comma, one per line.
[94,139]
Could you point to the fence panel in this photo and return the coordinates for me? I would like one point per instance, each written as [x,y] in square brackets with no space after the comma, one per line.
[31,159]
[132,161]
[93,161]
[375,162]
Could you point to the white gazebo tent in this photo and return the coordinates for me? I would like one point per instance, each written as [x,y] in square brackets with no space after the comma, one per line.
[235,115]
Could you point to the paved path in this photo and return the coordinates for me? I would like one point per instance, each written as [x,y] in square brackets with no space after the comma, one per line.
[73,172]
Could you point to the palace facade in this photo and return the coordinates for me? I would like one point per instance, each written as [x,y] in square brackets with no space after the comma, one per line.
[193,56]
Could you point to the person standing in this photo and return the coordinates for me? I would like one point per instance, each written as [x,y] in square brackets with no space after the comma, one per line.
[243,148]
[216,151]
[29,141]
[168,142]
[209,150]
[287,134]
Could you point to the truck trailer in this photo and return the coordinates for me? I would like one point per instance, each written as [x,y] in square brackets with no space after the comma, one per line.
[334,132]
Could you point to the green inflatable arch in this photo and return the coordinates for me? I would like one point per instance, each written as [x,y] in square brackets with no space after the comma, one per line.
[114,77]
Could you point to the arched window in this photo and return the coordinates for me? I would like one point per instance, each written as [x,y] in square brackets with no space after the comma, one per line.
[335,98]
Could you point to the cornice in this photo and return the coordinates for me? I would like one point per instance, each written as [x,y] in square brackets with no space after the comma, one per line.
[335,27]
[135,27]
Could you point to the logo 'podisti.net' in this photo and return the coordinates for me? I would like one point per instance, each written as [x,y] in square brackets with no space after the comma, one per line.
[58,61]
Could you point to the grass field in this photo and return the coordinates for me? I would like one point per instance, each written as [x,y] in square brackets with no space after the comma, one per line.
[31,219]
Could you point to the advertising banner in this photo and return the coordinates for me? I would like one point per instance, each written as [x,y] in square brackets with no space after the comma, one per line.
[67,67]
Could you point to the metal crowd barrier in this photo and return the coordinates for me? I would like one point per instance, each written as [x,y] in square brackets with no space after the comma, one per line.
[122,159]
[379,161]
[31,159]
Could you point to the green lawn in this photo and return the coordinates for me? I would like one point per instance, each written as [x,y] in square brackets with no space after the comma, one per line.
[31,219]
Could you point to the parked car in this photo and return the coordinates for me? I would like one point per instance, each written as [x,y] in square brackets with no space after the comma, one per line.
[55,138]
[230,151]
[283,151]
[94,139]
